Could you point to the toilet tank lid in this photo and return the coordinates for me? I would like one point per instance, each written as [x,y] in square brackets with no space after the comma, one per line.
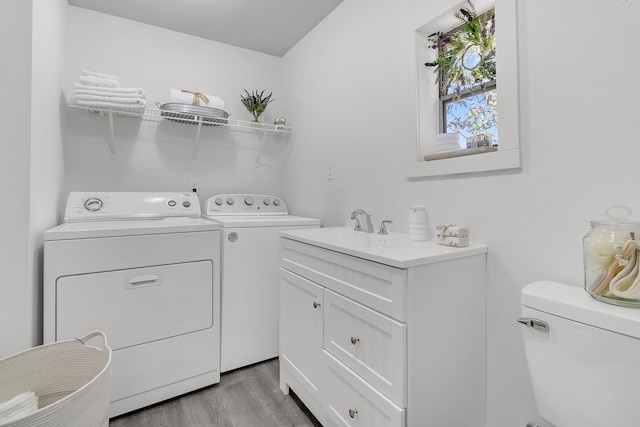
[573,303]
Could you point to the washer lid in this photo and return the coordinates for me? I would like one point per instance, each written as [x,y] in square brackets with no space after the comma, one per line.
[573,303]
[95,229]
[245,204]
[244,221]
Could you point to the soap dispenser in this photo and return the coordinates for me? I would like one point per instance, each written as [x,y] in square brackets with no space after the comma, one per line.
[419,223]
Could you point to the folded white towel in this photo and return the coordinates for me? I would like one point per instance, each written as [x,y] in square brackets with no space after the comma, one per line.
[177,95]
[116,99]
[104,76]
[99,81]
[115,106]
[103,93]
[110,90]
[18,407]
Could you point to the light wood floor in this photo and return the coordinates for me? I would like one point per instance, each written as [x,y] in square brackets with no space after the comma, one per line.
[247,397]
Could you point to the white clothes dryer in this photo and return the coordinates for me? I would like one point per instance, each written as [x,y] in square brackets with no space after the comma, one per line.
[140,267]
[249,228]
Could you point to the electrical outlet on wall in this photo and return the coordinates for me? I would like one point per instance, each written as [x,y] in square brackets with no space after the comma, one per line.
[330,171]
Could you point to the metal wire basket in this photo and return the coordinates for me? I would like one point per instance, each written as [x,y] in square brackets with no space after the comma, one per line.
[193,114]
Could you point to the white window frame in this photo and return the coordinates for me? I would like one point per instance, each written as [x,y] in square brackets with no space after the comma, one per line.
[508,154]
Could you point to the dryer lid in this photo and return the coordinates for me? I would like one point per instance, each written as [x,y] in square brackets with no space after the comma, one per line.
[96,229]
[109,206]
[573,303]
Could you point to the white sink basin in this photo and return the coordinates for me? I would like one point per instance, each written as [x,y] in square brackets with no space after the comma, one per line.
[395,249]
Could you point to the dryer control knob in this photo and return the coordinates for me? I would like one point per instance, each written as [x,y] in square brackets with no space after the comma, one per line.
[276,202]
[266,202]
[248,201]
[93,204]
[230,201]
[186,203]
[218,201]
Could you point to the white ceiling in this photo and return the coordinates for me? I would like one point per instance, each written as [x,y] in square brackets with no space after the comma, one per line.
[268,26]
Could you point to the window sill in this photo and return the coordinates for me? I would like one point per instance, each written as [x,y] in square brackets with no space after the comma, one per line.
[481,162]
[459,153]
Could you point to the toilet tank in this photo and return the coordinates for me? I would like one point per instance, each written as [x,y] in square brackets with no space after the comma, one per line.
[585,369]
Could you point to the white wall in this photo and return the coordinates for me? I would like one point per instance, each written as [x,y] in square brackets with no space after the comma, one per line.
[32,46]
[157,156]
[15,292]
[351,98]
[47,128]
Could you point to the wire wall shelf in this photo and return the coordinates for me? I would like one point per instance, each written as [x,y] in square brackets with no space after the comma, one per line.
[200,121]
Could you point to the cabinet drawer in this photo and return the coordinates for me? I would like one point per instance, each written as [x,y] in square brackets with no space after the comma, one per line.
[375,285]
[371,344]
[354,403]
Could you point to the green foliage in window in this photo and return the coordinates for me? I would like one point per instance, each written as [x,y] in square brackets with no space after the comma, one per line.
[474,114]
[466,55]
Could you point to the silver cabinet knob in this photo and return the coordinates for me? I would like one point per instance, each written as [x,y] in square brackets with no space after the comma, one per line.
[316,304]
[355,340]
[353,412]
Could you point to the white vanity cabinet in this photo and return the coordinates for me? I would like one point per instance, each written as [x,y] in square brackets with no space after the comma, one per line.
[383,331]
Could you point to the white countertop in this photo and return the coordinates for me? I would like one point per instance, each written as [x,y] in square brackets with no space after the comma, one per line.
[394,249]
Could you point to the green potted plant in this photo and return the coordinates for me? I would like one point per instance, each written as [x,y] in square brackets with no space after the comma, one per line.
[256,102]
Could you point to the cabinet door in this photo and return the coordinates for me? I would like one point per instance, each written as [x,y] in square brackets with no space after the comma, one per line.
[301,329]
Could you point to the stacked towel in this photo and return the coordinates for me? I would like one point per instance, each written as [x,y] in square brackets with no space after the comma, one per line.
[92,78]
[103,91]
[184,96]
[19,407]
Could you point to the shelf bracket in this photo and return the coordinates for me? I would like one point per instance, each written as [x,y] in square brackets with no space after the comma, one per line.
[264,137]
[197,142]
[111,137]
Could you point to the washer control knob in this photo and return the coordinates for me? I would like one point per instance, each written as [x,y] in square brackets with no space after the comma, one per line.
[186,203]
[266,202]
[248,201]
[93,204]
[218,201]
[276,202]
[171,203]
[230,201]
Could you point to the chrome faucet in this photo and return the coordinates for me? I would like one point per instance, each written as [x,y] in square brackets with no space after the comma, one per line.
[363,221]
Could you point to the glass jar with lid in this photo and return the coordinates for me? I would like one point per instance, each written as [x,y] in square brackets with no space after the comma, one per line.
[612,258]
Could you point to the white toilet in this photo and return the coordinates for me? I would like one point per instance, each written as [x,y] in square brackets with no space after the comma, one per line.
[583,356]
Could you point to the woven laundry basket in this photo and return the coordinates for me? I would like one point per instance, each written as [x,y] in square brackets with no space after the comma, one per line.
[71,379]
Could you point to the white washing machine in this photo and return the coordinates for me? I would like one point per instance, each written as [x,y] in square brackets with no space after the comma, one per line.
[249,228]
[142,268]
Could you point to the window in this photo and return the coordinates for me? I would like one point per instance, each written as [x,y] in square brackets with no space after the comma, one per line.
[467,97]
[465,70]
